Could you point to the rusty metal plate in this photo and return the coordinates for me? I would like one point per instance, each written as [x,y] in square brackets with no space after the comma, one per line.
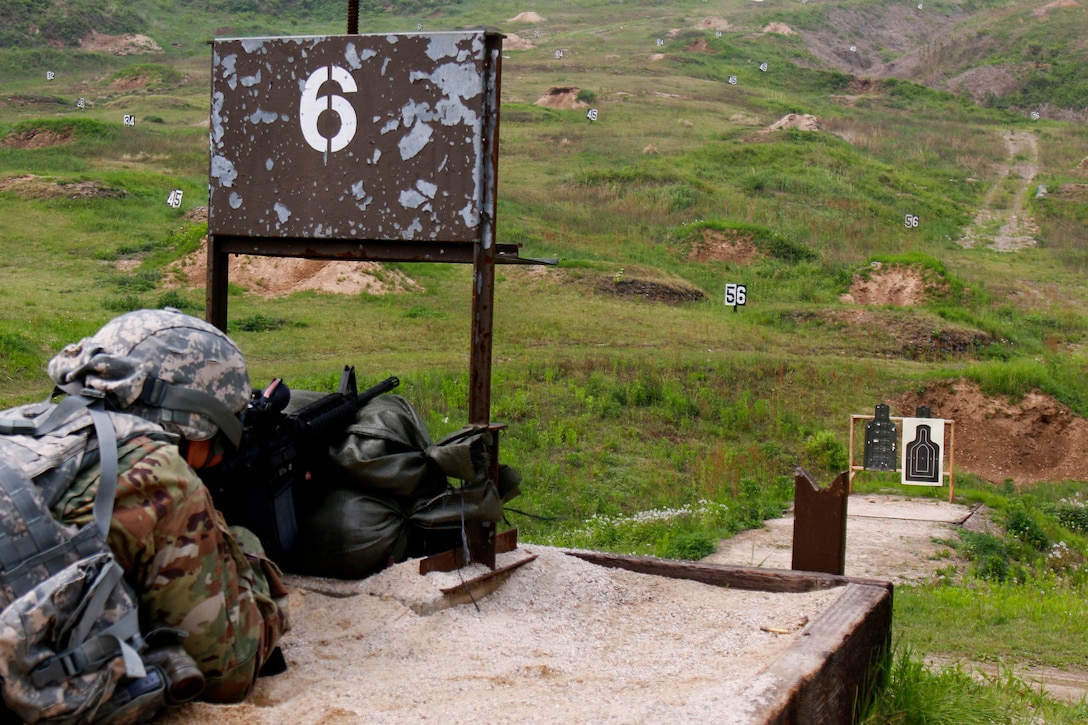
[378,136]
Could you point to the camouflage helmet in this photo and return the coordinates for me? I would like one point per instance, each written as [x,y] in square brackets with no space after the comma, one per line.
[162,365]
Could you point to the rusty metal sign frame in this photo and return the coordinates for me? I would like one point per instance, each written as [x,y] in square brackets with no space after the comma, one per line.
[478,249]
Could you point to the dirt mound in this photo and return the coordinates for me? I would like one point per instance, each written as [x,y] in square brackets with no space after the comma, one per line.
[1072,192]
[30,100]
[800,121]
[197,214]
[723,246]
[564,97]
[894,333]
[779,28]
[713,24]
[513,41]
[119,44]
[281,276]
[36,139]
[1040,12]
[699,46]
[987,81]
[653,291]
[1032,440]
[888,285]
[30,186]
[528,17]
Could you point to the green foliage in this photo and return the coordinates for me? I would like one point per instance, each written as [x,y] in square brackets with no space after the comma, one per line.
[1020,523]
[826,451]
[173,298]
[152,75]
[1072,515]
[989,552]
[587,96]
[122,303]
[82,128]
[418,312]
[258,323]
[694,545]
[919,693]
[18,356]
[37,22]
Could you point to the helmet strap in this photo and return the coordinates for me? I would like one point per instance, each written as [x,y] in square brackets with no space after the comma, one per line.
[158,393]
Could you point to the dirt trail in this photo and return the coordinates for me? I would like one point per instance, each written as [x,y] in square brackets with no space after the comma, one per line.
[895,538]
[1001,221]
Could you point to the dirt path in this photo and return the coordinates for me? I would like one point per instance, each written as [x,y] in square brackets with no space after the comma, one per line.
[1001,222]
[896,539]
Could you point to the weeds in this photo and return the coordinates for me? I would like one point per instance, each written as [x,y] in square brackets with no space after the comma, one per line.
[956,695]
[259,323]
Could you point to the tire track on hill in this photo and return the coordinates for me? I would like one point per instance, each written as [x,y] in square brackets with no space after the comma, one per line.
[1001,223]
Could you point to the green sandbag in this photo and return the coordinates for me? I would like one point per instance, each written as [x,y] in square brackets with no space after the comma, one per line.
[350,535]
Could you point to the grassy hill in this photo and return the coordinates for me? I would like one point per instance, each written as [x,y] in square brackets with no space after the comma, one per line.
[627,384]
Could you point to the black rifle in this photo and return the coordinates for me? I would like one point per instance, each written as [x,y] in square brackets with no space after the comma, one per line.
[255,486]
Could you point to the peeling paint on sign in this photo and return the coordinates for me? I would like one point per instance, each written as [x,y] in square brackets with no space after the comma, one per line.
[350,137]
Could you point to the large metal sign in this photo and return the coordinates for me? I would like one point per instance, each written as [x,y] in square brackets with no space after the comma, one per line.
[376,147]
[352,137]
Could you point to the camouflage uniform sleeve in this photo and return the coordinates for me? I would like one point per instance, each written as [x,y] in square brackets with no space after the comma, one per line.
[189,569]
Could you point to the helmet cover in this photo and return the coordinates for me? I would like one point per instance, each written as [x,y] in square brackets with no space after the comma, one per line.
[168,345]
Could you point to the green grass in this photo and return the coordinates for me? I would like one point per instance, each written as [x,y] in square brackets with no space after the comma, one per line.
[638,426]
[956,695]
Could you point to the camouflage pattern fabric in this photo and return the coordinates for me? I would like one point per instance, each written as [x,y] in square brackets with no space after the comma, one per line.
[189,569]
[167,345]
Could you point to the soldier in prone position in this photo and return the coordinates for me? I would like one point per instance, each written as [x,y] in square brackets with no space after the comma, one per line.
[189,570]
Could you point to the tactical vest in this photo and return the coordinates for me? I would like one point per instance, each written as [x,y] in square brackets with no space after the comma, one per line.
[71,649]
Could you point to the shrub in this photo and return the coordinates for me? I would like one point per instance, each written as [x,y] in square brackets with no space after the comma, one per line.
[122,303]
[824,448]
[173,298]
[692,546]
[259,323]
[1021,524]
[989,552]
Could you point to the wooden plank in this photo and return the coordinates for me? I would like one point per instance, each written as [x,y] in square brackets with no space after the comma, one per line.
[723,575]
[506,541]
[831,667]
[819,524]
[493,575]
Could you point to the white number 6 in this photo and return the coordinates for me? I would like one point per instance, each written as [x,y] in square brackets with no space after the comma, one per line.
[311,106]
